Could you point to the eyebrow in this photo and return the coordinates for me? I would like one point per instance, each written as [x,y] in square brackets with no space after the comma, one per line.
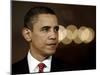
[56,27]
[48,27]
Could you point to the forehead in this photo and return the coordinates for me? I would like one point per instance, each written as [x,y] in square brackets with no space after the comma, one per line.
[45,16]
[46,20]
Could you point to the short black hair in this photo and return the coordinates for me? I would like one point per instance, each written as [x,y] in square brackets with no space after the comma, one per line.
[31,16]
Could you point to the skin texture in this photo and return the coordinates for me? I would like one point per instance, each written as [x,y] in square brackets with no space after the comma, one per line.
[43,39]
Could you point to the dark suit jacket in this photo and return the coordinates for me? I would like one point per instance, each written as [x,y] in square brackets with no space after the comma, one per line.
[21,67]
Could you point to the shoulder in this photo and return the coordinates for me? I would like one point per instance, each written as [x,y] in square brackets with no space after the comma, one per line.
[19,63]
[20,67]
[59,65]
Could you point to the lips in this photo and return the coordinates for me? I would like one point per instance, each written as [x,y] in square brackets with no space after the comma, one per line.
[52,44]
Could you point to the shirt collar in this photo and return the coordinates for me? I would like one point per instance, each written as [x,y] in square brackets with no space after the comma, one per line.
[47,62]
[32,62]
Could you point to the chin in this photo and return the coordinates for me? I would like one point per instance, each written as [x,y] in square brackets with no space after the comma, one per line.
[50,52]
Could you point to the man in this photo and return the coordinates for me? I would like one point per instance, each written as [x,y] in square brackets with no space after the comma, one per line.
[41,32]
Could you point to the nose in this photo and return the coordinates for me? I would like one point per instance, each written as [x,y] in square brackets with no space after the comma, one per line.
[53,35]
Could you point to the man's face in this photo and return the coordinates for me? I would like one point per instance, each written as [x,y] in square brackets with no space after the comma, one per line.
[44,36]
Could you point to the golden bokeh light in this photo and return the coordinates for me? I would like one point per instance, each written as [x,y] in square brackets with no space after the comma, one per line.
[90,35]
[83,33]
[66,41]
[69,34]
[72,27]
[72,32]
[62,32]
[86,34]
[77,40]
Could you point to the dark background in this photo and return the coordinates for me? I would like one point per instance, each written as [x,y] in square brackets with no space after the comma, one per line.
[83,55]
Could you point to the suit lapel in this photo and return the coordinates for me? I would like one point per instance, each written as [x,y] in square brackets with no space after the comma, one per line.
[55,65]
[59,65]
[25,65]
[20,67]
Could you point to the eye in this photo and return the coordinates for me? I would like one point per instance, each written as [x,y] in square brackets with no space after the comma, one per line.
[45,29]
[56,28]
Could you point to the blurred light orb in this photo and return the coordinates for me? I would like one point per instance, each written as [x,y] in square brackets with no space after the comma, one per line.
[72,32]
[75,34]
[62,33]
[72,27]
[86,34]
[83,33]
[76,39]
[90,35]
[69,34]
[66,41]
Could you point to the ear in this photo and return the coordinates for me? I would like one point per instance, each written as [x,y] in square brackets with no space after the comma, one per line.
[27,34]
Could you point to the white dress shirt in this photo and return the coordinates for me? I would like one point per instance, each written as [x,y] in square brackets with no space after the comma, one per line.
[33,64]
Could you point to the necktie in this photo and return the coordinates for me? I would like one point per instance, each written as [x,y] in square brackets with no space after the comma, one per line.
[41,67]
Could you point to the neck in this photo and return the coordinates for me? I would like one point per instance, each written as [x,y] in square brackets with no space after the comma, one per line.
[37,55]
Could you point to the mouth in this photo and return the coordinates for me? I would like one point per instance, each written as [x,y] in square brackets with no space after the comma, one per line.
[52,45]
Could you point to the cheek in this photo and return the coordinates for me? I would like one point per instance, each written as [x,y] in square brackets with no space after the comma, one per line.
[39,40]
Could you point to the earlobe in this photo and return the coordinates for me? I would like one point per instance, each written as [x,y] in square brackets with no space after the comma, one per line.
[26,34]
